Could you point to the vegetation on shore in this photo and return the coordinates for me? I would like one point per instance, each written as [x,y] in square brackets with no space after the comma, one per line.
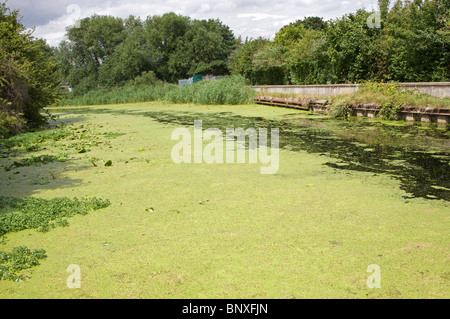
[228,90]
[28,75]
[393,94]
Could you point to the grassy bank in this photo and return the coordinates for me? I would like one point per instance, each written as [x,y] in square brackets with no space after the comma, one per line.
[392,94]
[389,97]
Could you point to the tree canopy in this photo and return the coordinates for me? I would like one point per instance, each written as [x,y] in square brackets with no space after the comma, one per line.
[411,44]
[107,51]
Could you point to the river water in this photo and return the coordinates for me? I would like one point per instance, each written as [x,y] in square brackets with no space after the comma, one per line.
[417,154]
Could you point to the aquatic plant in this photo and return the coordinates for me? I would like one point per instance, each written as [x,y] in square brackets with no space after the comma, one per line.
[19,258]
[17,214]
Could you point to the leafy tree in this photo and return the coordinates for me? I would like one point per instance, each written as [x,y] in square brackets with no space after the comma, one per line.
[28,77]
[241,61]
[87,48]
[383,6]
[350,48]
[302,55]
[311,23]
[305,60]
[413,45]
[164,34]
[130,58]
[268,60]
[96,38]
[426,48]
[204,48]
[108,52]
[290,34]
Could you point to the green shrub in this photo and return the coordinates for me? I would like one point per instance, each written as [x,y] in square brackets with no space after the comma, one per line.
[10,124]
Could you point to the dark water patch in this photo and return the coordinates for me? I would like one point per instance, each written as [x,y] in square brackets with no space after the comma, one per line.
[418,156]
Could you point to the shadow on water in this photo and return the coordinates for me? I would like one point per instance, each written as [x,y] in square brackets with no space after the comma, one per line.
[417,156]
[47,175]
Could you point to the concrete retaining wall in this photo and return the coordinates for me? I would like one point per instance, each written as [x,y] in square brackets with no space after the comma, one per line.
[438,89]
[430,115]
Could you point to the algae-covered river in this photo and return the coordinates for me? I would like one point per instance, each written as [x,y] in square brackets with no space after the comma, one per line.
[356,208]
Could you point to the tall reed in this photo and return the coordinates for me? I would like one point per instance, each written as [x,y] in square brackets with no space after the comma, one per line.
[228,90]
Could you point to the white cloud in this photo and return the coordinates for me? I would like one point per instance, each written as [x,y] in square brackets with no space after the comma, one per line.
[259,16]
[204,8]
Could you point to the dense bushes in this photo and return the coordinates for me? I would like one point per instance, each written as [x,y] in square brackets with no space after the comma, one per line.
[28,80]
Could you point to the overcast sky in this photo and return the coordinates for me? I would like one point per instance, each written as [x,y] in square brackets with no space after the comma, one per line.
[249,18]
